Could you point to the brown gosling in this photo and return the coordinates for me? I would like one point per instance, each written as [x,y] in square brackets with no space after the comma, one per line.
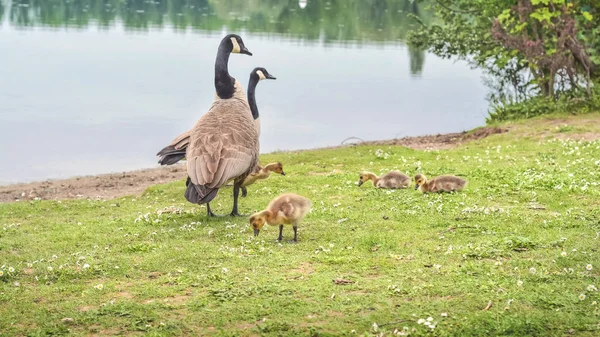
[393,179]
[439,184]
[261,173]
[286,209]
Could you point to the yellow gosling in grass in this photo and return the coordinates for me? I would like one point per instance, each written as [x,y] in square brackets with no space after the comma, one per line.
[286,209]
[439,184]
[261,173]
[394,179]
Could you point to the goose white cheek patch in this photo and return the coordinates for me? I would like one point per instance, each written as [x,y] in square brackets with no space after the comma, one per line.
[236,45]
[260,74]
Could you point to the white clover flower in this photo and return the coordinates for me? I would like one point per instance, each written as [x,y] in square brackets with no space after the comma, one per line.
[519,283]
[86,266]
[11,269]
[50,268]
[532,270]
[420,321]
[588,267]
[582,297]
[444,314]
[592,287]
[563,254]
[99,286]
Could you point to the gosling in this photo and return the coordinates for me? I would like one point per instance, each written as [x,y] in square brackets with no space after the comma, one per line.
[393,180]
[439,184]
[286,209]
[261,173]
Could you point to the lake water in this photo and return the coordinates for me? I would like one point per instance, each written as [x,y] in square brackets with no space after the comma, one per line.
[93,86]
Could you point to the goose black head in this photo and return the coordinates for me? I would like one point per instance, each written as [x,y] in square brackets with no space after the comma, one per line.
[236,44]
[262,74]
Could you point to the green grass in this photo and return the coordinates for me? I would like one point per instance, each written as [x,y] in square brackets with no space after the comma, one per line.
[531,196]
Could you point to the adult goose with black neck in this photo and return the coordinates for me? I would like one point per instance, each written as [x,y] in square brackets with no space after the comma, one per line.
[223,145]
[175,151]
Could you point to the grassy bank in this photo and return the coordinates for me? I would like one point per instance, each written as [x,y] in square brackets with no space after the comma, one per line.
[515,254]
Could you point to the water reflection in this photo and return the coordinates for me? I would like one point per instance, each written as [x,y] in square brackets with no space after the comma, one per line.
[92,86]
[331,20]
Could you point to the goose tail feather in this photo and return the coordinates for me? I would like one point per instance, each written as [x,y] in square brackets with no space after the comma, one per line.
[170,155]
[199,194]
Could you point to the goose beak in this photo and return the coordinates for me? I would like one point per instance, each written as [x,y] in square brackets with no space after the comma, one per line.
[256,231]
[360,182]
[416,186]
[245,51]
[282,173]
[271,77]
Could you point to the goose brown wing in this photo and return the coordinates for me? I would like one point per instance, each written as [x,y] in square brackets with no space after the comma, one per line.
[223,144]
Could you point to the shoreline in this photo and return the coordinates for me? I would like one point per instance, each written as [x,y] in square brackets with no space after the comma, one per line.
[114,185]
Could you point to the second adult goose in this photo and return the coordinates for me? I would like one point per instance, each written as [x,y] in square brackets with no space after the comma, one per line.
[223,144]
[175,151]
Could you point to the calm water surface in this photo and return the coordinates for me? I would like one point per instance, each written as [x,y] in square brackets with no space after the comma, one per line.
[92,86]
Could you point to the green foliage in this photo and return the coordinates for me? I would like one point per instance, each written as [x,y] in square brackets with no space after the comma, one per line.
[547,48]
[521,235]
[566,103]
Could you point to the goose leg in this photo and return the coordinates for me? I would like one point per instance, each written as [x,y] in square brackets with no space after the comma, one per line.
[280,233]
[295,233]
[236,194]
[244,191]
[209,212]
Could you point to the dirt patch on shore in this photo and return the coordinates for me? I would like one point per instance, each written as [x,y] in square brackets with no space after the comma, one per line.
[108,186]
[105,186]
[440,141]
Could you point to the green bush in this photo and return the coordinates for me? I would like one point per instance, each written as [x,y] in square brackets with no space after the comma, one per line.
[565,103]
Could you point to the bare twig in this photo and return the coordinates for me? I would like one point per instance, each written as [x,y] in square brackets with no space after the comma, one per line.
[395,322]
[349,138]
[342,281]
[488,306]
[450,229]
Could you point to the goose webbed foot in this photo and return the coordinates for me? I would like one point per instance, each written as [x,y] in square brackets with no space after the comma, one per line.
[237,214]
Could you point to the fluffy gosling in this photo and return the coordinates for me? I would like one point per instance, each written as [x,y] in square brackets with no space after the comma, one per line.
[286,209]
[393,179]
[439,184]
[261,173]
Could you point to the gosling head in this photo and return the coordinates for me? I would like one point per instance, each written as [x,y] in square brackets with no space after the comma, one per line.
[362,178]
[258,220]
[276,167]
[420,179]
[236,44]
[262,74]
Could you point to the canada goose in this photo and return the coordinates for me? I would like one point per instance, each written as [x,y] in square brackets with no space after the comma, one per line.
[175,151]
[223,144]
[439,184]
[393,179]
[286,209]
[260,172]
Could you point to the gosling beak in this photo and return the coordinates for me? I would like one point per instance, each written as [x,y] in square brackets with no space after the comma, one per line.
[416,186]
[282,173]
[271,77]
[360,182]
[245,50]
[256,231]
